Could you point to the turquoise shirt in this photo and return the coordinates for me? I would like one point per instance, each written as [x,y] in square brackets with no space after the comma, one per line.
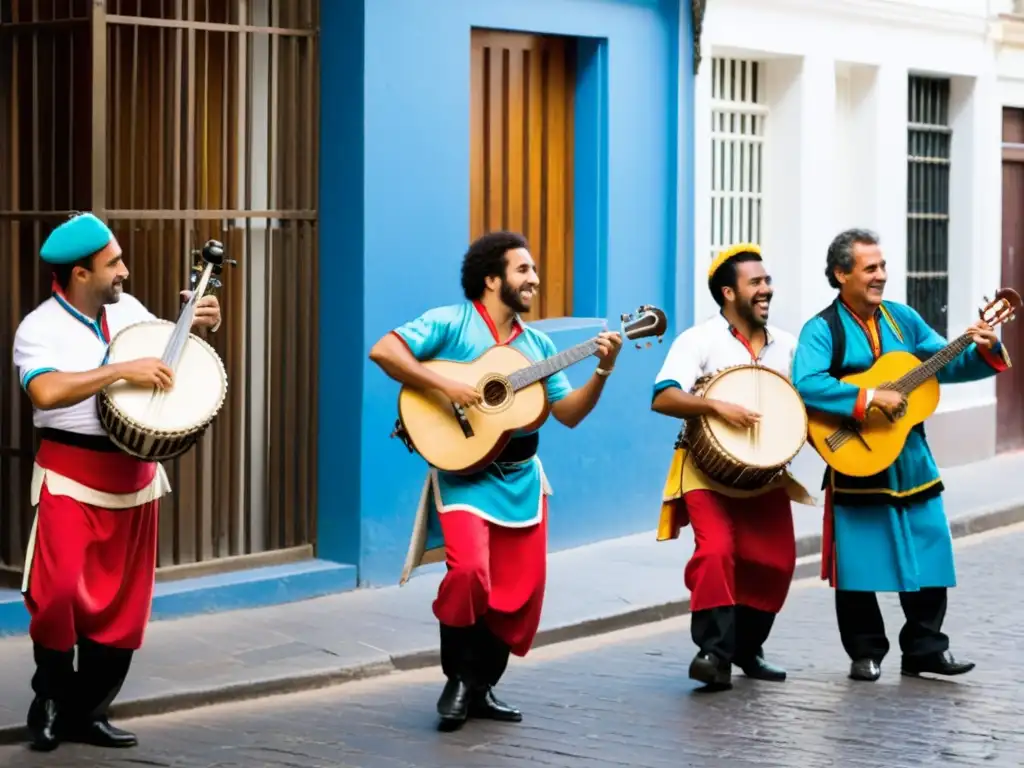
[509,495]
[914,475]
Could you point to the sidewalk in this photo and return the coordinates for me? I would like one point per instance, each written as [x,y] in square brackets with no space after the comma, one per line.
[205,659]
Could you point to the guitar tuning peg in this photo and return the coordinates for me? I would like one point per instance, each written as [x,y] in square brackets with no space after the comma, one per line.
[648,345]
[624,316]
[638,346]
[661,339]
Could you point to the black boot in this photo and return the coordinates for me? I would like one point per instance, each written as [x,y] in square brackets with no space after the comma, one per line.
[713,671]
[752,629]
[713,631]
[940,663]
[456,651]
[53,684]
[865,670]
[101,673]
[453,705]
[489,661]
[759,669]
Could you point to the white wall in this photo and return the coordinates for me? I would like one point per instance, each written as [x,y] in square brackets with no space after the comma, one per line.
[836,85]
[1009,38]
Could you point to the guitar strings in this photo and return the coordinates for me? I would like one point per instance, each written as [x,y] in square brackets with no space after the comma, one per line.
[176,345]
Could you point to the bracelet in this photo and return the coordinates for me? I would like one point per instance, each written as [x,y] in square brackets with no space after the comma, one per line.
[599,371]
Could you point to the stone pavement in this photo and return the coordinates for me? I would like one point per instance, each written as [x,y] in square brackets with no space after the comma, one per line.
[623,699]
[232,655]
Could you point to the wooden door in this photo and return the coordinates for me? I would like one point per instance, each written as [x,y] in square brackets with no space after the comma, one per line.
[1010,386]
[521,150]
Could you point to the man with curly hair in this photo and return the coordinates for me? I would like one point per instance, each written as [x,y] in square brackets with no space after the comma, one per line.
[490,527]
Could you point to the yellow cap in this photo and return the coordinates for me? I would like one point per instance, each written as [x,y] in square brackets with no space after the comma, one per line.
[728,253]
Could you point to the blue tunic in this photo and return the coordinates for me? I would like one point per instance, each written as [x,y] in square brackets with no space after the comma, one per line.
[509,495]
[890,530]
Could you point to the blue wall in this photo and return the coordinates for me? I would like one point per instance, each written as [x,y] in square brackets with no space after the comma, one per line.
[395,223]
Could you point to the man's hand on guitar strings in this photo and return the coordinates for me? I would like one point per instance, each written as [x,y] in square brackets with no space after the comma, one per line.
[207,310]
[462,394]
[982,334]
[890,402]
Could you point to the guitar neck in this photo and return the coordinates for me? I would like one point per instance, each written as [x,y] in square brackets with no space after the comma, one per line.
[926,370]
[524,377]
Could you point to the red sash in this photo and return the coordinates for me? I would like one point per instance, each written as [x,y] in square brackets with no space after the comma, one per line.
[104,471]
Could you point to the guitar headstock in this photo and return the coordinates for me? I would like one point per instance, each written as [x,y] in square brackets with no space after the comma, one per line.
[1001,309]
[647,321]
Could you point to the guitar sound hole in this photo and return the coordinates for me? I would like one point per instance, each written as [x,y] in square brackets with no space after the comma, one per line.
[494,393]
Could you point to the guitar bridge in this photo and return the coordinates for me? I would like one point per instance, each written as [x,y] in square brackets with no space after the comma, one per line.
[460,415]
[843,435]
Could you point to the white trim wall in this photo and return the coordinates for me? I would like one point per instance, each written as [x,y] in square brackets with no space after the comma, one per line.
[835,76]
[738,117]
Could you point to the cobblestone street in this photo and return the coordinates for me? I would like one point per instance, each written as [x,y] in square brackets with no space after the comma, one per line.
[624,700]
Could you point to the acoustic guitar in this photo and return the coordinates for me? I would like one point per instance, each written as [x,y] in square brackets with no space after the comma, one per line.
[866,448]
[465,440]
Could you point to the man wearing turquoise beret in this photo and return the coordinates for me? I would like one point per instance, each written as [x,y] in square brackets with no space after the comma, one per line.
[91,559]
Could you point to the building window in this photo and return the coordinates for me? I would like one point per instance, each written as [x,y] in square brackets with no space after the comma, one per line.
[738,117]
[928,137]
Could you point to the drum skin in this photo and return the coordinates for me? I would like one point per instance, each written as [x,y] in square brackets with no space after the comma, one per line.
[154,425]
[748,459]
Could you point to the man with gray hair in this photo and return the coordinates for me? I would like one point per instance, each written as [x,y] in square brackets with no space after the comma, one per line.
[887,532]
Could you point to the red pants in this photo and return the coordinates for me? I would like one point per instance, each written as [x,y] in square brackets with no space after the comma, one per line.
[494,573]
[745,550]
[93,569]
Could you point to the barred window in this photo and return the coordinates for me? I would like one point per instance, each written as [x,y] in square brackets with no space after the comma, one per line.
[738,118]
[929,138]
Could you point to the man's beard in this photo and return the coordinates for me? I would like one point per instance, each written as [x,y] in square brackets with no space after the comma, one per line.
[112,295]
[746,311]
[510,297]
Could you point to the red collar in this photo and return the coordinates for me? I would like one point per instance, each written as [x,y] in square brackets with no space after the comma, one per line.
[517,327]
[874,315]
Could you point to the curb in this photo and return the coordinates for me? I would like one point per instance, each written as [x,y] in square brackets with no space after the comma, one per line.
[984,520]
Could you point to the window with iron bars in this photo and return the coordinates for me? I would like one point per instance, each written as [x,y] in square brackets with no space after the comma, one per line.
[928,158]
[738,117]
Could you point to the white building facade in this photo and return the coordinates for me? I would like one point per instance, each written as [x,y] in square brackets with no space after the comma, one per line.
[814,116]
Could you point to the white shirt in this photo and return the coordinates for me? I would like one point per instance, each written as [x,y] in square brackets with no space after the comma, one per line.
[57,337]
[710,346]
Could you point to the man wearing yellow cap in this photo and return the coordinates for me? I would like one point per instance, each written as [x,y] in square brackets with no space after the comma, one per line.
[92,553]
[745,552]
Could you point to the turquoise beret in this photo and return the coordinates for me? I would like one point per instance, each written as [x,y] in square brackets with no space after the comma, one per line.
[78,237]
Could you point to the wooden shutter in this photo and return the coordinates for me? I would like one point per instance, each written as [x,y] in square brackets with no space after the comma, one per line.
[521,169]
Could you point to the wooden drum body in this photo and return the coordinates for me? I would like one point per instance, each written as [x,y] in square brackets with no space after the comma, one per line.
[153,425]
[748,459]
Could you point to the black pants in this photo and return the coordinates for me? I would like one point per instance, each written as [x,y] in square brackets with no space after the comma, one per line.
[733,633]
[473,654]
[87,693]
[862,629]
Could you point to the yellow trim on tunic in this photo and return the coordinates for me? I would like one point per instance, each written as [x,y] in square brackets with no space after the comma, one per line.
[892,323]
[684,476]
[881,491]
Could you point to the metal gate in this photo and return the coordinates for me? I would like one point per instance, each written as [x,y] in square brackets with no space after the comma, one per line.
[177,121]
